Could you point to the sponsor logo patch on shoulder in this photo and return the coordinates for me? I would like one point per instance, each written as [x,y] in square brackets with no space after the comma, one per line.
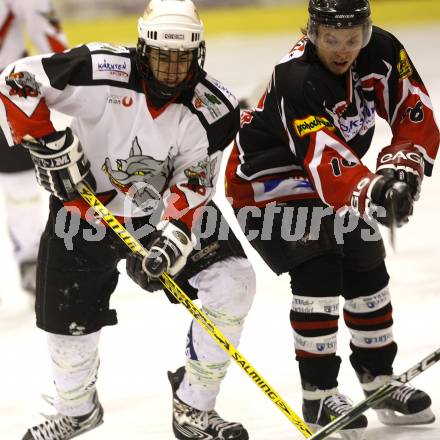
[209,104]
[404,65]
[311,124]
[111,67]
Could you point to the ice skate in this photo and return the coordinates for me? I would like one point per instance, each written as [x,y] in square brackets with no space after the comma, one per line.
[321,407]
[405,406]
[60,427]
[191,423]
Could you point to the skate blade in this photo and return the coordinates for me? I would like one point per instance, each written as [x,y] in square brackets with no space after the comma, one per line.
[390,417]
[345,434]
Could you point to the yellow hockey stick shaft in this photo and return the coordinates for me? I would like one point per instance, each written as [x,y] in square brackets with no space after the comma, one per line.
[133,244]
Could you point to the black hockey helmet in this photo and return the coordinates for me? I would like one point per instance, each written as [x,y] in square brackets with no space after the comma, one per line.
[339,14]
[170,53]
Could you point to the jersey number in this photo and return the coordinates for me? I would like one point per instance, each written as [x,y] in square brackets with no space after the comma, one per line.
[336,164]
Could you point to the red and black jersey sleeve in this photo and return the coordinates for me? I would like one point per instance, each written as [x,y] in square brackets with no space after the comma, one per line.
[401,96]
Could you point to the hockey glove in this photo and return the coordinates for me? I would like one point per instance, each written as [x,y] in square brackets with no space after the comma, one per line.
[404,163]
[395,197]
[59,163]
[168,250]
[134,269]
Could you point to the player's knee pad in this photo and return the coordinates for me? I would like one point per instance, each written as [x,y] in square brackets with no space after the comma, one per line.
[75,363]
[226,289]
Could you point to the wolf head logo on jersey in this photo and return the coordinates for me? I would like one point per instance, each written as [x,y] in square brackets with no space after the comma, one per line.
[23,84]
[141,177]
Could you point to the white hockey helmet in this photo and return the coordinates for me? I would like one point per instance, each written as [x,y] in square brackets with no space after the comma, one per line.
[170,29]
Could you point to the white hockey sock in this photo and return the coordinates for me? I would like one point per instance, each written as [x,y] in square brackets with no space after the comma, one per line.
[226,290]
[201,383]
[75,363]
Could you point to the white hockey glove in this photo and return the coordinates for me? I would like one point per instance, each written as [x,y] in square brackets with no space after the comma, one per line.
[169,247]
[59,163]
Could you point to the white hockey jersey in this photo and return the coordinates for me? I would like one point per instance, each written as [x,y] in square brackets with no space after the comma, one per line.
[42,24]
[136,150]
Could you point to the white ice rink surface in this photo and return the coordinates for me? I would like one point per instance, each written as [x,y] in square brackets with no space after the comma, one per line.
[150,336]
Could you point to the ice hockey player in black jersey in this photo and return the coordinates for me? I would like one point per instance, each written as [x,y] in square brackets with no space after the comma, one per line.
[148,130]
[297,162]
[22,195]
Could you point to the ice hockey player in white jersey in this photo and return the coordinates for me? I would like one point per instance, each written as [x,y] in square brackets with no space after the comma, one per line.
[17,181]
[149,126]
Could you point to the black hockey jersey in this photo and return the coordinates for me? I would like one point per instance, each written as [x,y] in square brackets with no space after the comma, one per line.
[306,137]
[148,154]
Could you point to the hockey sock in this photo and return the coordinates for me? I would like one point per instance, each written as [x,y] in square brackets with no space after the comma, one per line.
[75,362]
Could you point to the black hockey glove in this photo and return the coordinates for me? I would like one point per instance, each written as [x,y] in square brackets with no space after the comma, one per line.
[168,248]
[59,163]
[404,163]
[137,274]
[395,197]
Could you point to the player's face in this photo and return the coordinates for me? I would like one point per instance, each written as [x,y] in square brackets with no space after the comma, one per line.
[170,67]
[338,48]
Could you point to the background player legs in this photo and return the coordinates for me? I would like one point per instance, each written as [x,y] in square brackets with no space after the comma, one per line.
[24,217]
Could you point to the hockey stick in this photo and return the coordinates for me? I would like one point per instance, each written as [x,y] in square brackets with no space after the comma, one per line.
[133,244]
[377,397]
[393,229]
